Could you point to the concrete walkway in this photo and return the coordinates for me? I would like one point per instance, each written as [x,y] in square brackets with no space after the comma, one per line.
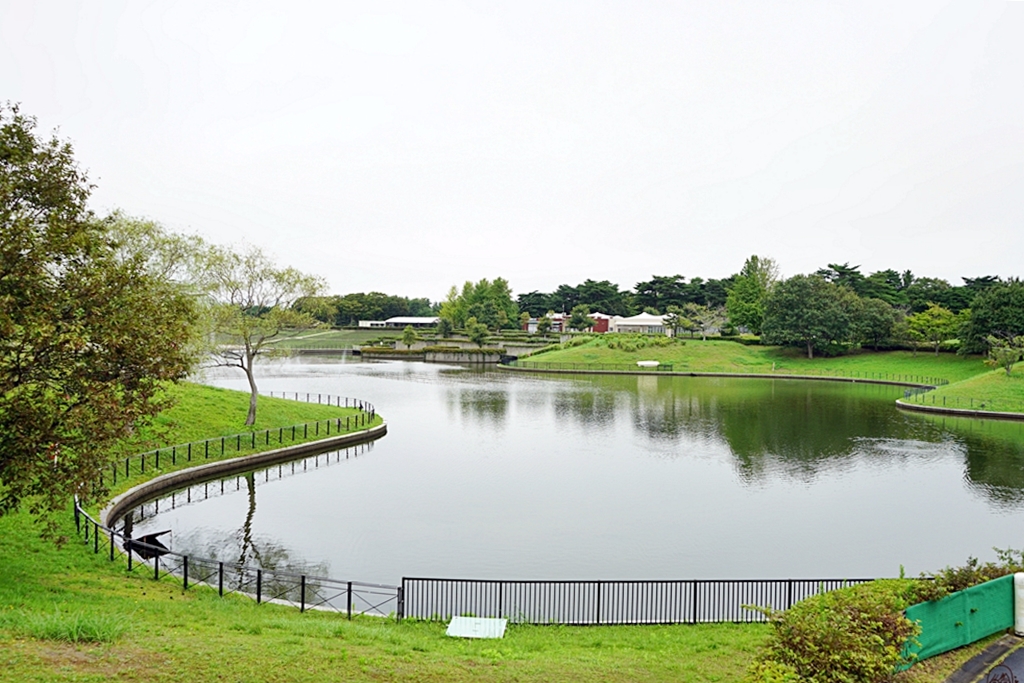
[1000,662]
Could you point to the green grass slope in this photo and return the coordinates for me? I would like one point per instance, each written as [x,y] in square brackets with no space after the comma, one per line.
[716,355]
[993,390]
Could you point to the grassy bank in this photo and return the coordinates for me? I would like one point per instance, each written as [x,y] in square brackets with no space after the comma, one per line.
[201,412]
[716,355]
[992,390]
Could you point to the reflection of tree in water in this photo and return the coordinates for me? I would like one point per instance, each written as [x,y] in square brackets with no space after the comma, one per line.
[588,407]
[485,405]
[242,548]
[994,462]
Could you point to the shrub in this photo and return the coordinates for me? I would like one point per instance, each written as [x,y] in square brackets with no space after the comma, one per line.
[851,635]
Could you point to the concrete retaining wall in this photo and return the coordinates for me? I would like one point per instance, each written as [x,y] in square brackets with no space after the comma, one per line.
[174,480]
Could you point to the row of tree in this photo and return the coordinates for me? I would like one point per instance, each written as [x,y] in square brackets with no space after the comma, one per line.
[349,309]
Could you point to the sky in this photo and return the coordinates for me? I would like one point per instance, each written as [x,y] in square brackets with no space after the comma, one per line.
[406,147]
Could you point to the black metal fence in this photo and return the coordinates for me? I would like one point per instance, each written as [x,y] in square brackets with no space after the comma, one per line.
[243,442]
[263,585]
[609,602]
[893,377]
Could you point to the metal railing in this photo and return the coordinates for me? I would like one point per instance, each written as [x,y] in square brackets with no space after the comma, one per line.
[305,591]
[236,444]
[609,602]
[895,377]
[590,367]
[996,405]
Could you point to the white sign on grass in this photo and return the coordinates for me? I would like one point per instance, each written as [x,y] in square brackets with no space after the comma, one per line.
[475,627]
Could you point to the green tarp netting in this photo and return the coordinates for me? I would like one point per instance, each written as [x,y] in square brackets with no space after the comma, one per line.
[962,617]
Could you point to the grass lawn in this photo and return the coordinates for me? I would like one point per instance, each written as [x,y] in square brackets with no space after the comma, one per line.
[992,390]
[201,412]
[333,339]
[716,355]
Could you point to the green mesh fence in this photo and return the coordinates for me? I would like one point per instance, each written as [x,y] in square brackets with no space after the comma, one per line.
[962,617]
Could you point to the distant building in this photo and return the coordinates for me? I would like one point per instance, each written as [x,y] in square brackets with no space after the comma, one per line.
[410,321]
[372,323]
[644,323]
[560,323]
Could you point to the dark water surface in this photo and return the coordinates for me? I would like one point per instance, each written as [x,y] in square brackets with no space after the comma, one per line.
[501,475]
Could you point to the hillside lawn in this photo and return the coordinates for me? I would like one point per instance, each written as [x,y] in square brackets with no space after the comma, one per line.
[69,615]
[339,339]
[719,355]
[992,390]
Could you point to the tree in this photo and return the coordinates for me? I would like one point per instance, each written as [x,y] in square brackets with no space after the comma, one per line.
[746,299]
[409,336]
[490,302]
[251,305]
[933,325]
[875,322]
[544,324]
[998,310]
[675,320]
[1004,352]
[444,327]
[660,292]
[90,332]
[704,318]
[477,332]
[808,311]
[579,318]
[524,320]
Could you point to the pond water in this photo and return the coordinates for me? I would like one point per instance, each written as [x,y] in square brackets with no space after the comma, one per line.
[493,474]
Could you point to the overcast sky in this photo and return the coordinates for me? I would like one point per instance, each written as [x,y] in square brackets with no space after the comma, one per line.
[405,147]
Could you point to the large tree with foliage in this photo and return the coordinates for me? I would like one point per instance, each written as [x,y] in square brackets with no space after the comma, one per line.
[934,325]
[252,302]
[89,332]
[997,310]
[490,302]
[746,300]
[579,318]
[876,322]
[808,311]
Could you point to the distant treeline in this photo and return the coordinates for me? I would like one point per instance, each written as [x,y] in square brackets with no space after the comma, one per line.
[902,290]
[349,309]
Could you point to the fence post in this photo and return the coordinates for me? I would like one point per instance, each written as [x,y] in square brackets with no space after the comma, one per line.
[302,594]
[220,579]
[349,610]
[78,519]
[789,594]
[184,580]
[95,538]
[694,597]
[401,600]
[129,544]
[259,586]
[111,545]
[598,619]
[156,568]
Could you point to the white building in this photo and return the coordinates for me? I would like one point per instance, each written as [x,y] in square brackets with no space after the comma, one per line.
[414,321]
[644,323]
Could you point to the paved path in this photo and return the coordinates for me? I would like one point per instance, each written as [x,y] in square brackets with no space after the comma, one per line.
[1000,662]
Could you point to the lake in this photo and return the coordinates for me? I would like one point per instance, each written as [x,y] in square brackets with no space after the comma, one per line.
[494,474]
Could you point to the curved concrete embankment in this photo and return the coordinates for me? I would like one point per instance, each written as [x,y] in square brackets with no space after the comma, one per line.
[960,412]
[737,375]
[173,480]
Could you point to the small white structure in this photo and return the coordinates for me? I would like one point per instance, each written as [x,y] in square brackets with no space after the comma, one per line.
[476,627]
[371,323]
[644,323]
[414,321]
[647,363]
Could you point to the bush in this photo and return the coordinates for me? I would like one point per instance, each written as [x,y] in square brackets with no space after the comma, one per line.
[851,635]
[952,579]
